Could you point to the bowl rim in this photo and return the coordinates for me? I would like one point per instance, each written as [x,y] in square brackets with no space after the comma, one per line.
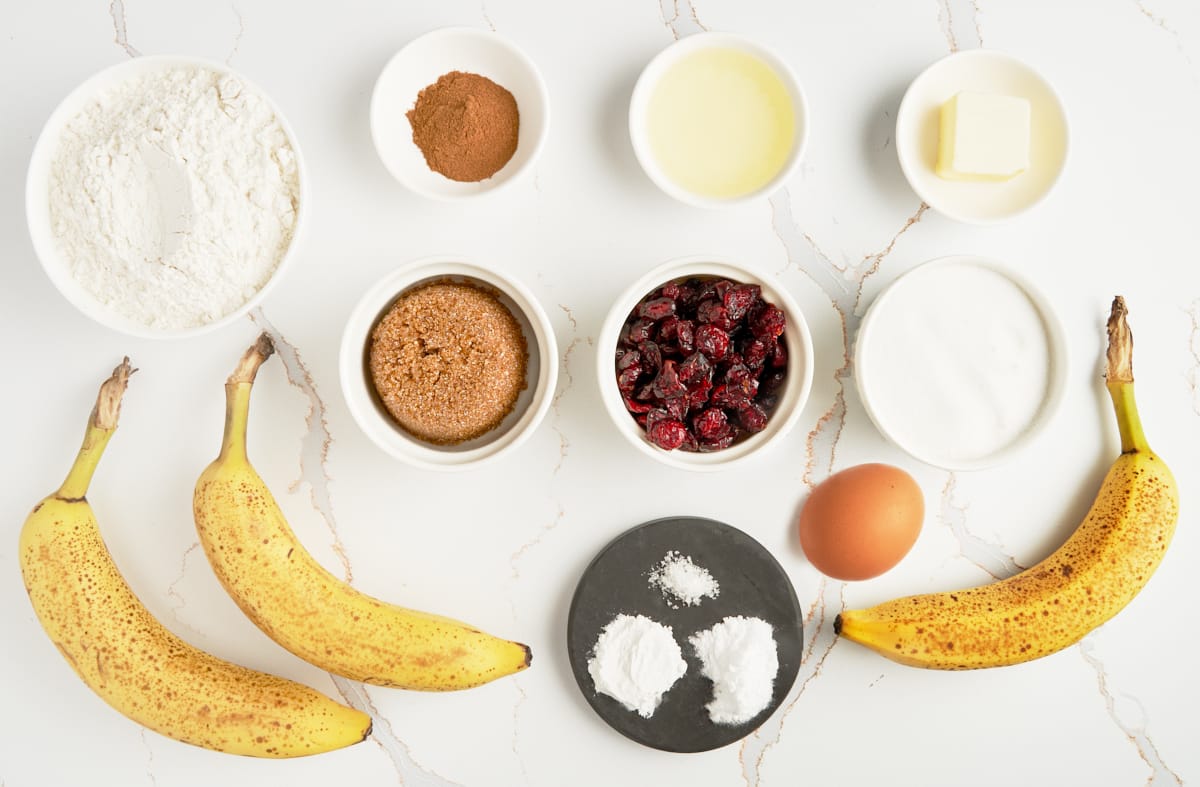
[44,245]
[799,379]
[648,80]
[1056,348]
[543,99]
[910,168]
[356,388]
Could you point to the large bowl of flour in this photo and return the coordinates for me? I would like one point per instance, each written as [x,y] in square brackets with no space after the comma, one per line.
[165,196]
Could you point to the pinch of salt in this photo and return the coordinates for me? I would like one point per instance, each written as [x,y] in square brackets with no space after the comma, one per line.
[682,581]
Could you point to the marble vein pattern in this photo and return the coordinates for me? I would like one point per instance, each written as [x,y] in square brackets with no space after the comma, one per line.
[960,23]
[120,32]
[1128,713]
[409,772]
[987,556]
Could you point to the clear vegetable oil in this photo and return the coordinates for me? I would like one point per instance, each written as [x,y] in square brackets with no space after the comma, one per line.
[721,123]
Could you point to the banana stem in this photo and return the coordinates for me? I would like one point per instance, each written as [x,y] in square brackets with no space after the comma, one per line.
[101,424]
[237,396]
[1119,376]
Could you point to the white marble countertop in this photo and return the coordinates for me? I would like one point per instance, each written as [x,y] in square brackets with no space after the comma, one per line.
[1118,709]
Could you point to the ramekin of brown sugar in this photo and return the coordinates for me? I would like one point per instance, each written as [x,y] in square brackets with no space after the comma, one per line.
[447,365]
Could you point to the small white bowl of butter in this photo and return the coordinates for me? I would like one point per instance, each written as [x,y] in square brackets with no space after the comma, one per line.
[718,120]
[993,87]
[960,362]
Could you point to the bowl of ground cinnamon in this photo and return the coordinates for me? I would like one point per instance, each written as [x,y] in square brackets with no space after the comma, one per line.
[459,112]
[446,364]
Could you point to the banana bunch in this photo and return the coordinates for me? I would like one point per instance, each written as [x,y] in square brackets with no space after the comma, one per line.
[1089,579]
[302,606]
[135,664]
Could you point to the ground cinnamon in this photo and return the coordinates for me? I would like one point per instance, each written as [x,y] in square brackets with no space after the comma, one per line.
[465,125]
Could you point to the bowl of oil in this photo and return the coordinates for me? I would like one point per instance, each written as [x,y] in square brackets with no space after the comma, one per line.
[718,120]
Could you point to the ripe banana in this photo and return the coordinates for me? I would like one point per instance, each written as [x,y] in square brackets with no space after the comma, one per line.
[1089,579]
[135,664]
[306,609]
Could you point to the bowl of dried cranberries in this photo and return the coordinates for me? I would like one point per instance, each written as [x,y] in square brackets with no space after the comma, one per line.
[704,362]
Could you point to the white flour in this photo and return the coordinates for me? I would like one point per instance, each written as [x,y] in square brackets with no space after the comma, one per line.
[682,581]
[174,196]
[636,661]
[739,656]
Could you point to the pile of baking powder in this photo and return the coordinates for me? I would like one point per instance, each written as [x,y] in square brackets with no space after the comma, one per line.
[636,661]
[174,196]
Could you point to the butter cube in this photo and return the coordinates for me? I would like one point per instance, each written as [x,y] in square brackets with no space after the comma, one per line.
[984,137]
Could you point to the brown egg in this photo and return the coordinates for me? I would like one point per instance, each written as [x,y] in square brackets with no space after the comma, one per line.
[862,521]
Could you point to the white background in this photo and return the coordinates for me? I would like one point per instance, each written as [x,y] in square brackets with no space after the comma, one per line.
[503,547]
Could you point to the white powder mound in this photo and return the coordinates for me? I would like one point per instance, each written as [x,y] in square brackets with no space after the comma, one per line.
[739,656]
[174,196]
[636,661]
[682,581]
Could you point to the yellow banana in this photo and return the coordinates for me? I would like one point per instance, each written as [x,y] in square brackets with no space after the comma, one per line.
[306,609]
[1089,579]
[135,664]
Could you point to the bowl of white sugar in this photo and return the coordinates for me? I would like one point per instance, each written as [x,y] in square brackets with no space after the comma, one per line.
[165,196]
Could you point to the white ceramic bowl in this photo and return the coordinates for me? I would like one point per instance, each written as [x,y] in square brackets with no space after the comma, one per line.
[942,415]
[985,71]
[643,91]
[418,65]
[792,398]
[541,374]
[37,198]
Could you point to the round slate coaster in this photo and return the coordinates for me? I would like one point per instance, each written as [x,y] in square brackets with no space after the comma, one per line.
[752,584]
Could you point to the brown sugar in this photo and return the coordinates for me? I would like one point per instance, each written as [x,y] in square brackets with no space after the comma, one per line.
[465,125]
[448,361]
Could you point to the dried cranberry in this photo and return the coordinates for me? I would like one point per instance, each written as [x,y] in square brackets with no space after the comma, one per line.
[652,357]
[719,444]
[656,414]
[769,322]
[695,368]
[667,434]
[713,313]
[685,332]
[668,329]
[755,353]
[698,393]
[710,424]
[739,298]
[771,383]
[779,356]
[672,290]
[636,407]
[639,331]
[645,393]
[667,384]
[689,293]
[626,358]
[734,395]
[712,341]
[753,418]
[736,372]
[677,408]
[657,309]
[627,378]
